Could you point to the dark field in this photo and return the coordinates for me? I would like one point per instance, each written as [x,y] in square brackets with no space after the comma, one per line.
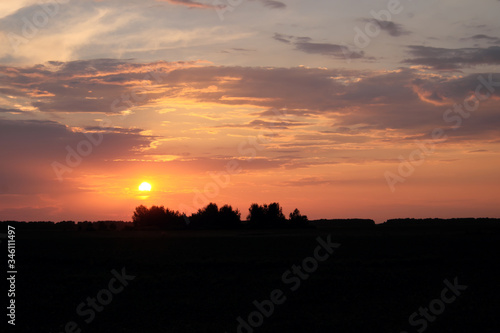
[202,281]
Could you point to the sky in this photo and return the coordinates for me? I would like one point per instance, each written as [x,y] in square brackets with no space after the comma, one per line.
[343,109]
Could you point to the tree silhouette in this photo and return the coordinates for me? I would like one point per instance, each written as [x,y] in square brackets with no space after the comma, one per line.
[228,217]
[266,215]
[101,226]
[157,217]
[275,214]
[140,217]
[213,217]
[297,219]
[257,214]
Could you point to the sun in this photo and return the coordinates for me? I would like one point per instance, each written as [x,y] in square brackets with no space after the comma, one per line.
[145,187]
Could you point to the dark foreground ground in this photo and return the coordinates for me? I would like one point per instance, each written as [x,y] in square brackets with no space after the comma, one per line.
[202,281]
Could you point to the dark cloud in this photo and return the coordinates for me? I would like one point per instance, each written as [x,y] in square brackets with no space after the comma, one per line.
[99,85]
[29,147]
[405,99]
[333,50]
[241,49]
[48,140]
[283,38]
[273,4]
[490,39]
[306,45]
[453,59]
[3,110]
[393,29]
[454,90]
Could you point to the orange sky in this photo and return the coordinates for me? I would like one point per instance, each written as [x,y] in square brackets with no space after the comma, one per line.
[273,101]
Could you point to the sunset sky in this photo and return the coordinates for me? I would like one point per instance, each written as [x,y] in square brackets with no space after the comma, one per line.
[368,109]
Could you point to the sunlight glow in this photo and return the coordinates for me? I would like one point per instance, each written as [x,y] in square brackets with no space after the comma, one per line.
[145,187]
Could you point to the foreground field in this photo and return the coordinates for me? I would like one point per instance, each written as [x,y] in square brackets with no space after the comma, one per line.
[202,281]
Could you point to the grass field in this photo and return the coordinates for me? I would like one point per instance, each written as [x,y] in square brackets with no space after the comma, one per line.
[202,281]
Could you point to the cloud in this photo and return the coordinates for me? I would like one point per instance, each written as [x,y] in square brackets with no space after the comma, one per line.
[306,45]
[453,59]
[490,39]
[237,49]
[332,50]
[266,124]
[113,129]
[273,4]
[34,145]
[8,7]
[393,29]
[357,102]
[99,85]
[241,49]
[3,110]
[190,4]
[319,181]
[69,28]
[282,38]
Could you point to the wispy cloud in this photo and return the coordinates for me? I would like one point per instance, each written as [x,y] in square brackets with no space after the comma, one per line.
[190,3]
[478,37]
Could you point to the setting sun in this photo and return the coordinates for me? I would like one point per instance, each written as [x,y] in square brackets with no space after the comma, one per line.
[145,187]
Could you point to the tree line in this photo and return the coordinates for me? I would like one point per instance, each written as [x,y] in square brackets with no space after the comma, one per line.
[263,217]
[213,217]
